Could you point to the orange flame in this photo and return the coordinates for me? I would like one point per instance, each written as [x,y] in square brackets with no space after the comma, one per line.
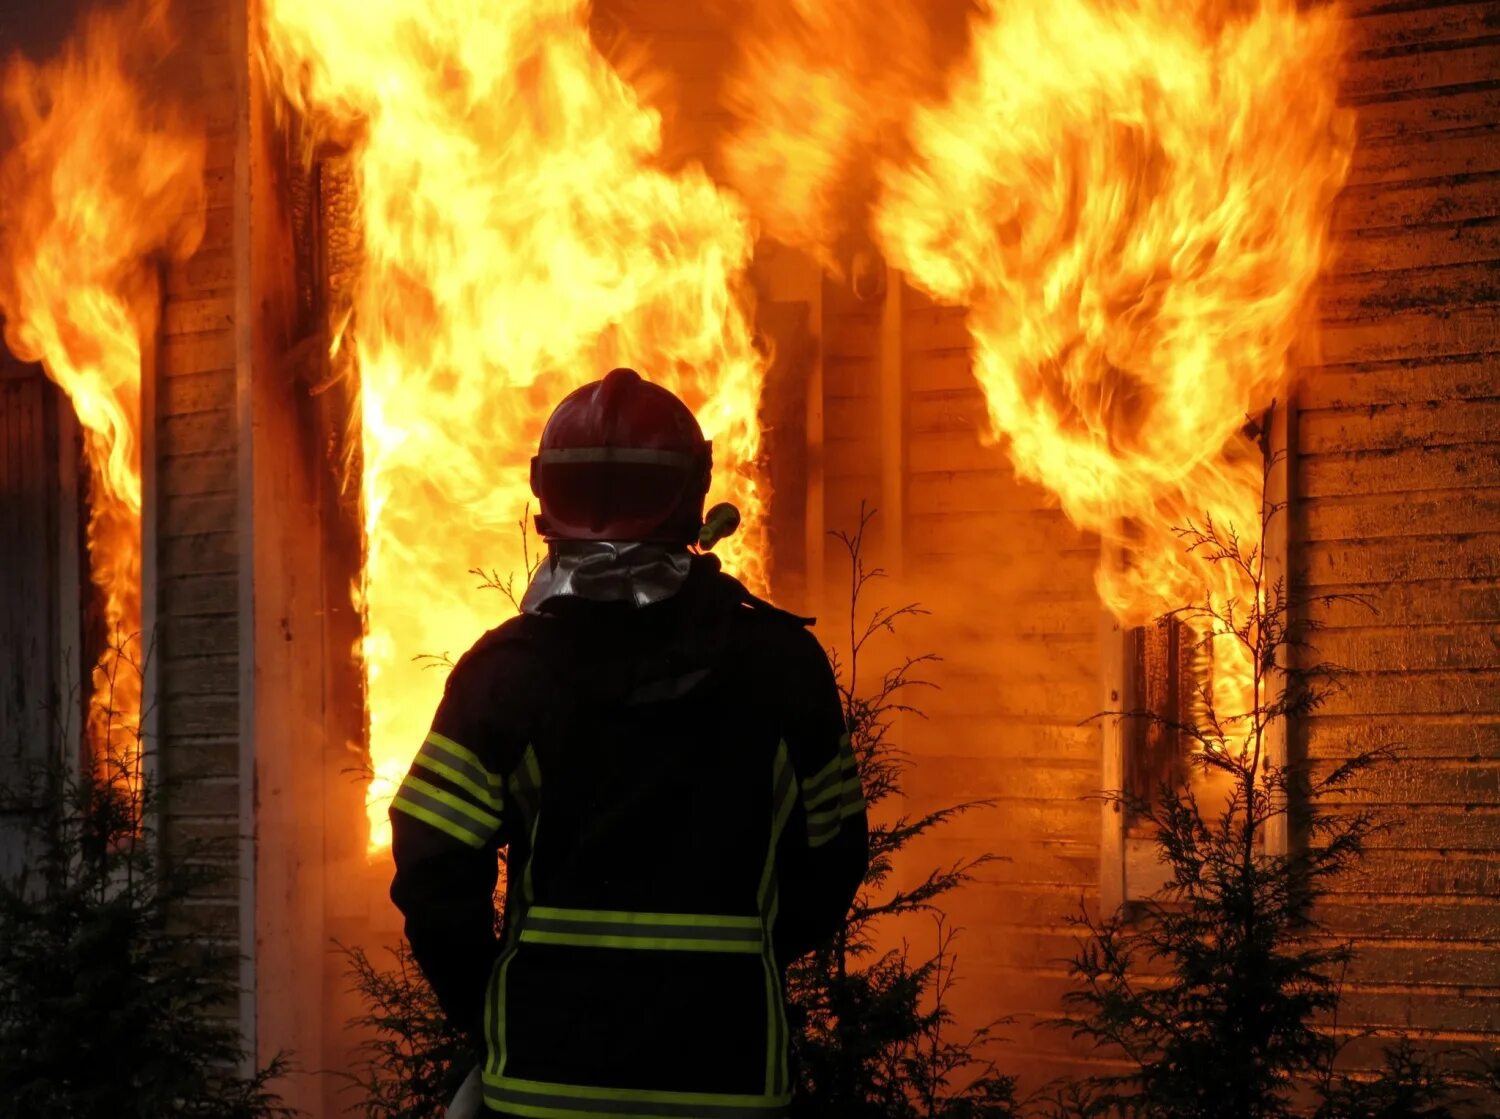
[95,183]
[1131,198]
[519,240]
[822,86]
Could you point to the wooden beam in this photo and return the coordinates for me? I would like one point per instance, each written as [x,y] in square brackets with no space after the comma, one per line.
[239,14]
[892,426]
[816,529]
[1276,549]
[150,583]
[152,767]
[1113,680]
[70,576]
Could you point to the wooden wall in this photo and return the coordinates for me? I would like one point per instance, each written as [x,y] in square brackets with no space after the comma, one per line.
[1397,496]
[1008,581]
[34,651]
[1017,624]
[1396,469]
[315,886]
[261,706]
[197,531]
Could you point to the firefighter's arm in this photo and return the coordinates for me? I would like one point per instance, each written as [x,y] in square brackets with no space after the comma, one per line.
[824,851]
[447,823]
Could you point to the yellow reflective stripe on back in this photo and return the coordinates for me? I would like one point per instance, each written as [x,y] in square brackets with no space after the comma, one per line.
[535,1097]
[497,1036]
[610,928]
[642,941]
[783,797]
[627,917]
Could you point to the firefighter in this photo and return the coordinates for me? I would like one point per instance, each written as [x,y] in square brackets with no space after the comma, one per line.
[664,759]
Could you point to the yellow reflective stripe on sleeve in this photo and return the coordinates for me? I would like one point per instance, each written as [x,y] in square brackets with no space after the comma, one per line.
[839,798]
[830,823]
[815,786]
[484,821]
[437,815]
[443,755]
[586,1101]
[830,782]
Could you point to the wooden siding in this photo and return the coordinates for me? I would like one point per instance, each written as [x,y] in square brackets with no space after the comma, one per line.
[197,542]
[30,606]
[1397,477]
[1008,580]
[315,886]
[1016,622]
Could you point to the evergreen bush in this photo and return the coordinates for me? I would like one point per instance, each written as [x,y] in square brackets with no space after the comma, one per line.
[412,1059]
[113,987]
[872,1030]
[1216,993]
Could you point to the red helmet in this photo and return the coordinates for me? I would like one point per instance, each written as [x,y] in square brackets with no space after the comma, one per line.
[622,459]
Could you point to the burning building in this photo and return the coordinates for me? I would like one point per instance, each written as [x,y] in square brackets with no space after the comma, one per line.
[287,290]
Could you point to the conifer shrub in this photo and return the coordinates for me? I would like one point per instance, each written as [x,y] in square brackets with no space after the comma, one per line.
[873,1030]
[1217,994]
[114,986]
[412,1060]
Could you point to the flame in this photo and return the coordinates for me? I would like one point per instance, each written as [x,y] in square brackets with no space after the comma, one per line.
[1131,198]
[519,240]
[96,182]
[821,88]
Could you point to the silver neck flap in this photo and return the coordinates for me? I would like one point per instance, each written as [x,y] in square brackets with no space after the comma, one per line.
[607,571]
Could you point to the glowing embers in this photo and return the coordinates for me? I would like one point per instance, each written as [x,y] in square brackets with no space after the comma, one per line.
[102,173]
[518,239]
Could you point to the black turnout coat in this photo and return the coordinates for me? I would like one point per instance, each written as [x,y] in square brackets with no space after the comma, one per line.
[682,817]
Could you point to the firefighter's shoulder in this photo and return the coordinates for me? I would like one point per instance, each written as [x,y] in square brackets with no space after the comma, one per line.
[761,609]
[786,634]
[507,651]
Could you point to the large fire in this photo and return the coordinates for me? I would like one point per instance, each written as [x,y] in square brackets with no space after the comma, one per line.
[1131,199]
[97,180]
[519,239]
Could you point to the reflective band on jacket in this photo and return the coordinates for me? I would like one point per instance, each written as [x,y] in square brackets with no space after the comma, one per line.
[526,792]
[566,1101]
[676,932]
[444,756]
[832,795]
[783,796]
[459,819]
[817,787]
[448,788]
